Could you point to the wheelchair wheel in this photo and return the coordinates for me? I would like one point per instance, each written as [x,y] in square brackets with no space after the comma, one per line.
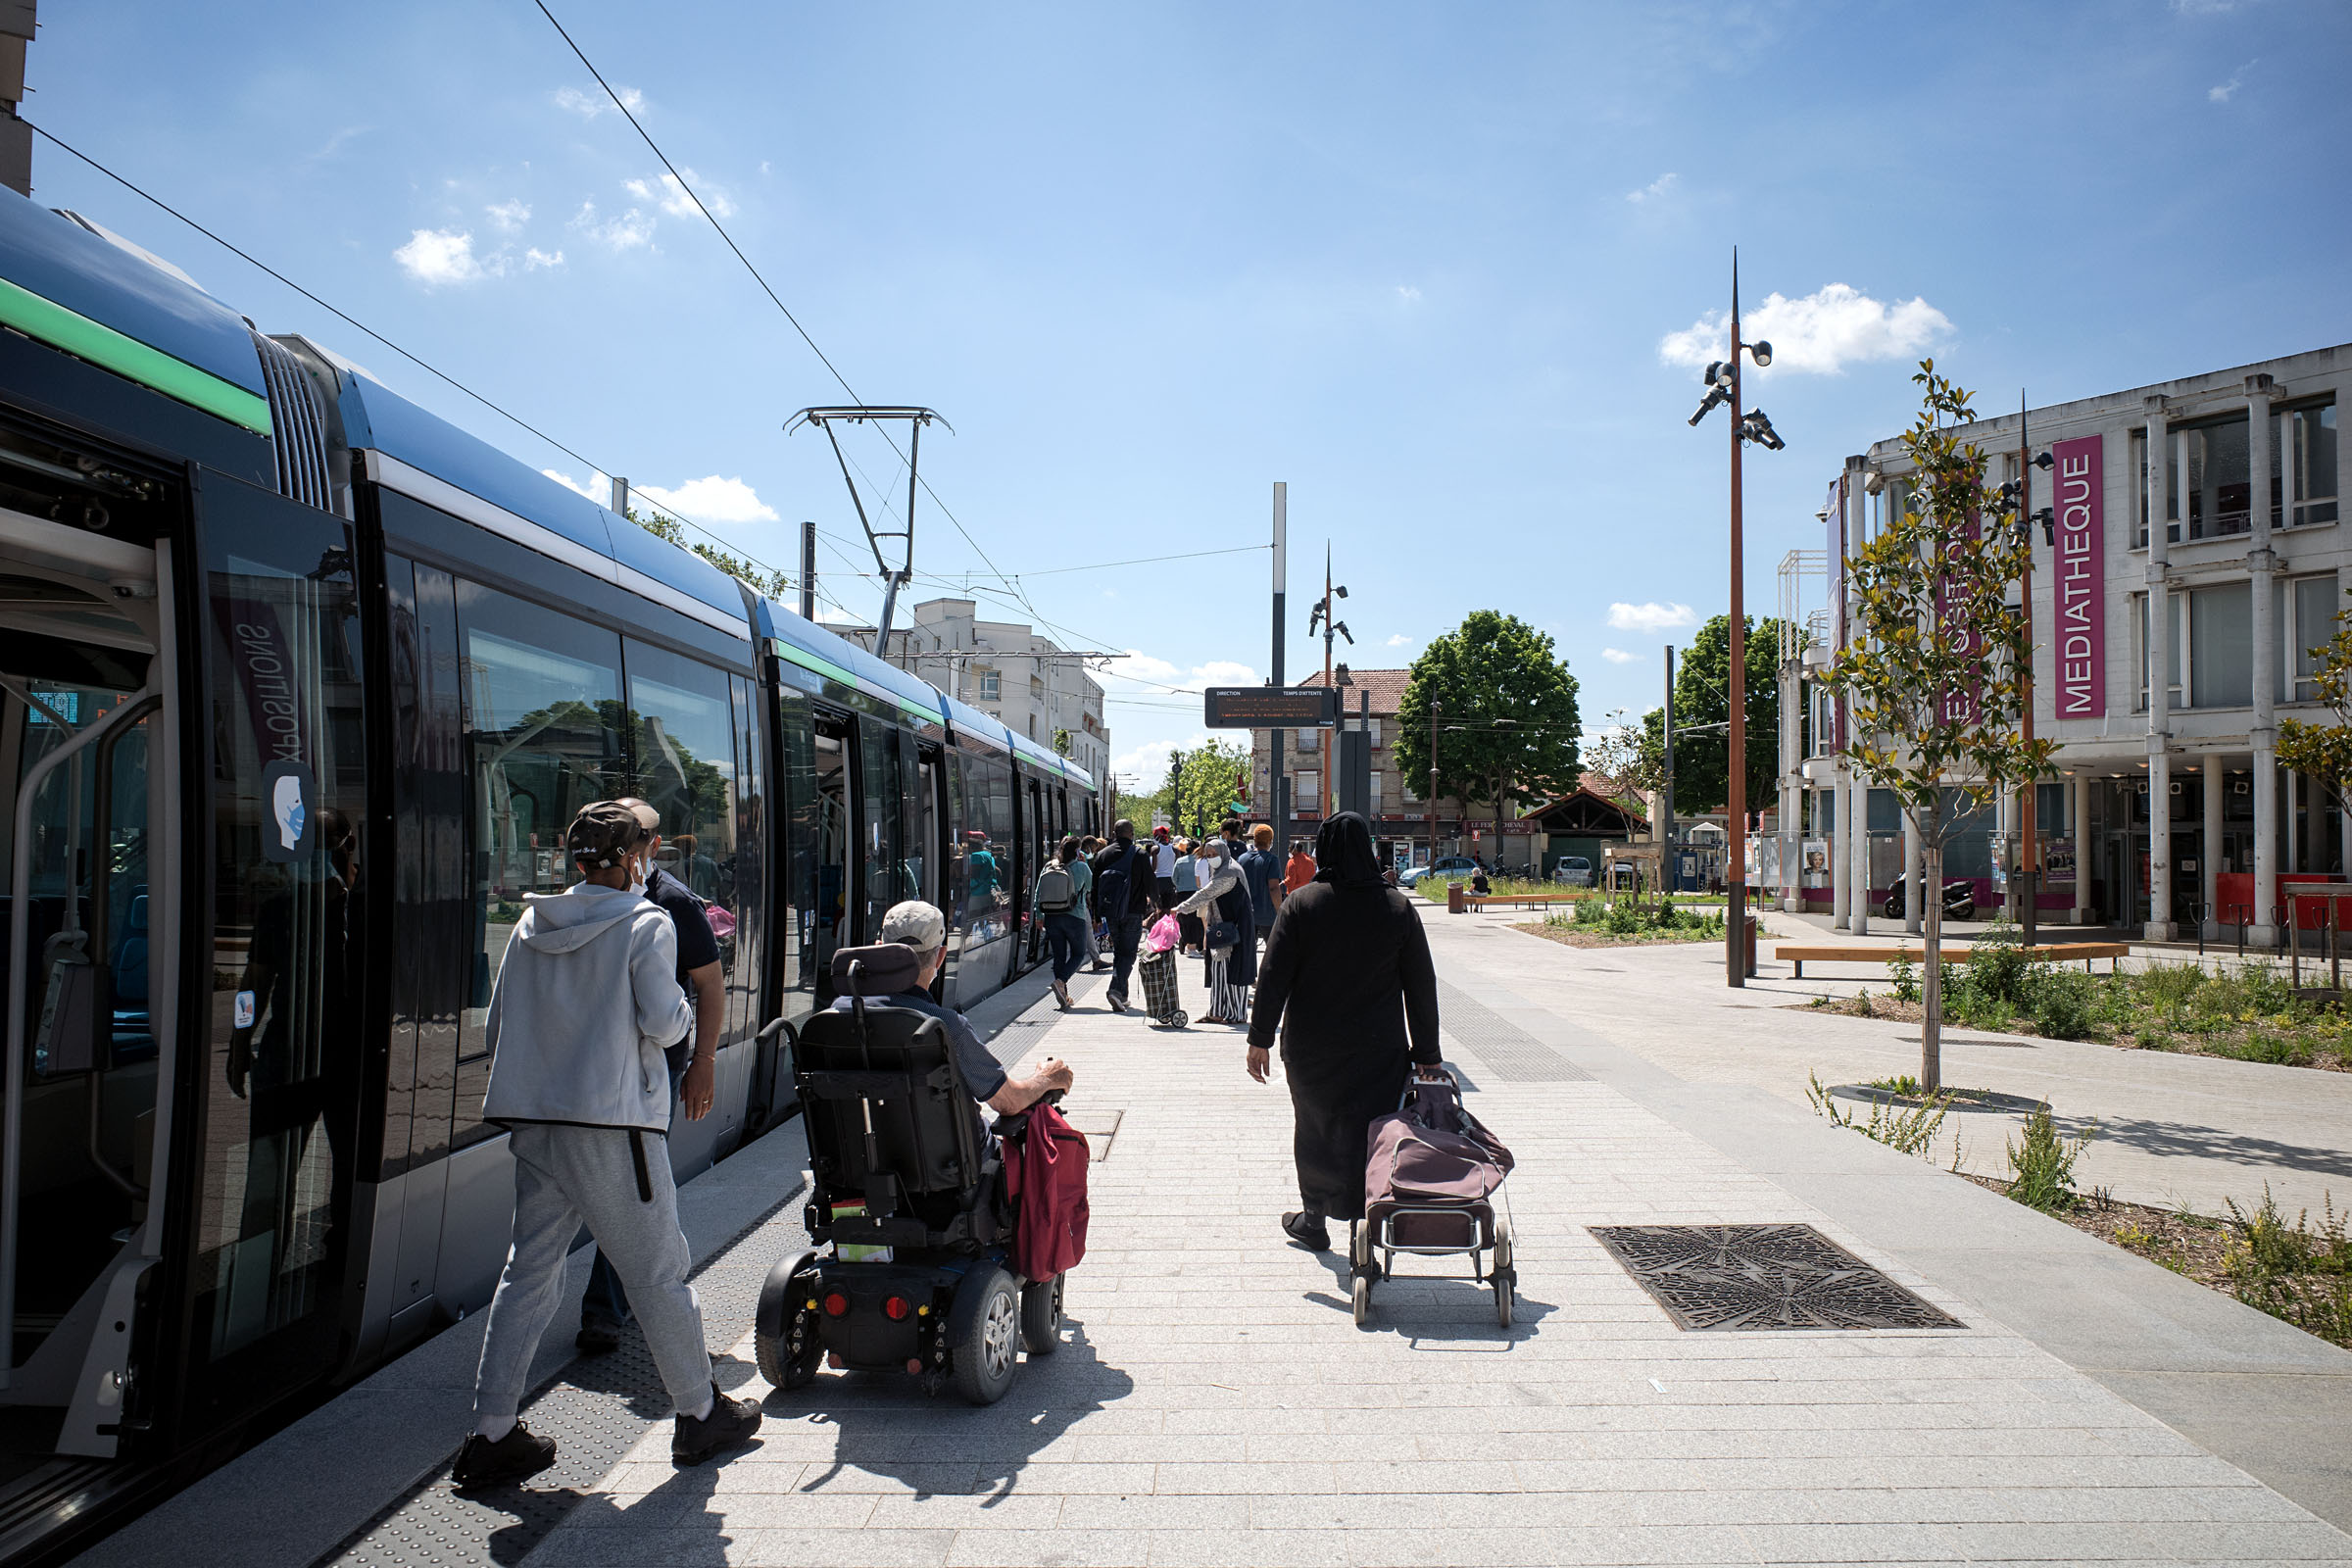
[1361,1300]
[784,1312]
[984,1333]
[1041,1315]
[1502,1275]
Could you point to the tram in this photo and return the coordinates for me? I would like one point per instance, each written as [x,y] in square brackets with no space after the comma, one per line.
[299,687]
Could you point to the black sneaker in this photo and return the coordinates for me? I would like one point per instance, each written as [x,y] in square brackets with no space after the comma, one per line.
[597,1336]
[516,1456]
[730,1424]
[1308,1230]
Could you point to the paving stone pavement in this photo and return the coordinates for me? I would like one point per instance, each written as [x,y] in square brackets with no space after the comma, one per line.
[1212,1402]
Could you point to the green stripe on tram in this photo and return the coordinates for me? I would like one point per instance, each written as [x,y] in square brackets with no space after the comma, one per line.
[53,325]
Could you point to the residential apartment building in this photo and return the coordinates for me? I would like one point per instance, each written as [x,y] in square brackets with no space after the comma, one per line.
[1008,672]
[2214,497]
[1399,816]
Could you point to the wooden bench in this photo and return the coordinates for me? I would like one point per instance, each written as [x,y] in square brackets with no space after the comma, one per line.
[2042,952]
[1478,901]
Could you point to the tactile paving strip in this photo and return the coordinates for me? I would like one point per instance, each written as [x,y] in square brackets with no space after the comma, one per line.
[597,1408]
[1507,1050]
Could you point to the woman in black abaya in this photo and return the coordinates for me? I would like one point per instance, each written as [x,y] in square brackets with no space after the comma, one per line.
[1346,981]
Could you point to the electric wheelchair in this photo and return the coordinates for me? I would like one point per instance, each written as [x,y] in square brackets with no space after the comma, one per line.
[909,1209]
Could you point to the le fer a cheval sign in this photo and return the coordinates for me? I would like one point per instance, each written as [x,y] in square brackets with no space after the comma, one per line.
[1268,707]
[2078,596]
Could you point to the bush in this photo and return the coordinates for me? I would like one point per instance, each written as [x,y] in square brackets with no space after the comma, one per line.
[1905,976]
[2292,1271]
[1997,967]
[2062,1003]
[2042,1170]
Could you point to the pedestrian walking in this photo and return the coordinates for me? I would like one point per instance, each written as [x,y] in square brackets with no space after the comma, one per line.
[1062,909]
[1184,884]
[1164,866]
[1261,869]
[1346,980]
[1229,940]
[586,998]
[1301,871]
[1082,870]
[1126,892]
[693,1062]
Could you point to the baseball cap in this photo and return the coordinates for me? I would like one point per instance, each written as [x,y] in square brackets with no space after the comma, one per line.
[647,819]
[601,836]
[916,924]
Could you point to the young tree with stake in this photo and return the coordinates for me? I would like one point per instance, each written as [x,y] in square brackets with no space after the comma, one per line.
[1934,668]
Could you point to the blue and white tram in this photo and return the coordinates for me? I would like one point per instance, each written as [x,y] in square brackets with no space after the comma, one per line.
[299,686]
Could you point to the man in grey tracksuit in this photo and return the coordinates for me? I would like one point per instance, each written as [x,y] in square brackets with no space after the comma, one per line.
[586,998]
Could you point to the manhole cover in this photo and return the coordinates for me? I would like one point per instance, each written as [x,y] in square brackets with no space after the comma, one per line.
[1757,1277]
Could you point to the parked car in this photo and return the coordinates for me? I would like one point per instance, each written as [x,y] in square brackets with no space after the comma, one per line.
[1573,871]
[1446,869]
[1959,898]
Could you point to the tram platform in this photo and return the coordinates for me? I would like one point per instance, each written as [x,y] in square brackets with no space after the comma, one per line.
[1213,1402]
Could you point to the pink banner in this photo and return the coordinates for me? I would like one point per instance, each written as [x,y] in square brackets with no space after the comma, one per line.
[2078,586]
[1962,704]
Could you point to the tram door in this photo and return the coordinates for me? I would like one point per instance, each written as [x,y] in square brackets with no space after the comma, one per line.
[930,840]
[829,915]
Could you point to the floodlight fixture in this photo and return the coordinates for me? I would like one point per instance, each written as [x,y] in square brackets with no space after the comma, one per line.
[2044,462]
[1715,395]
[1762,352]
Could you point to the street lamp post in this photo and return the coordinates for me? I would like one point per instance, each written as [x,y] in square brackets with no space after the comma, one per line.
[1723,386]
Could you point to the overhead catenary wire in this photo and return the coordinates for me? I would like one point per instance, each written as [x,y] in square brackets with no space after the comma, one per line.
[345,316]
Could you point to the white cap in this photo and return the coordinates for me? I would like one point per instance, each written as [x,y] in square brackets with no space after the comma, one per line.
[916,924]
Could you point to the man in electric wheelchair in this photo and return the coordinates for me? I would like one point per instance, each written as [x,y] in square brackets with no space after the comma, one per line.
[933,1220]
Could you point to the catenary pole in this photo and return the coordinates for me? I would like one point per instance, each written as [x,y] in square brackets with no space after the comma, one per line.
[1666,795]
[808,572]
[2029,857]
[1735,871]
[1281,773]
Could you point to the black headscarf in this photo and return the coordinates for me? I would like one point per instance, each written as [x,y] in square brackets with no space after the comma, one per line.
[1344,854]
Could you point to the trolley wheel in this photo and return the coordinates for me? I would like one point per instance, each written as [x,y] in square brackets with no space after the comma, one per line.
[785,1336]
[1362,1301]
[1504,1278]
[984,1333]
[1178,1021]
[1041,1315]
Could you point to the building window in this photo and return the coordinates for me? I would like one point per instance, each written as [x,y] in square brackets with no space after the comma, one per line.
[992,686]
[2304,615]
[2208,473]
[2309,448]
[1372,726]
[2209,655]
[1309,790]
[1310,740]
[1375,802]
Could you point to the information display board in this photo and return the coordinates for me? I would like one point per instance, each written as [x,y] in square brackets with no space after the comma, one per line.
[1270,707]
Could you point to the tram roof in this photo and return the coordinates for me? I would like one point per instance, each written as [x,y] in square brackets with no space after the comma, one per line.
[123,291]
[375,416]
[770,619]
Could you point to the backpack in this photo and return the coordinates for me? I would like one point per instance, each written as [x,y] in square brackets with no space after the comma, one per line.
[1057,890]
[1115,888]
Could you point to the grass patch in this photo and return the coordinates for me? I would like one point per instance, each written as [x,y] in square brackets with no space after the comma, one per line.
[1432,887]
[1599,921]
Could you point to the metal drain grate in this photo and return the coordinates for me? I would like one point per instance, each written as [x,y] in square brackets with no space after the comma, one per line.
[1763,1277]
[597,1409]
[1512,1053]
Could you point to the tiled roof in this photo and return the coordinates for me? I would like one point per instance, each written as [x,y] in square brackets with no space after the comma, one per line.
[1387,687]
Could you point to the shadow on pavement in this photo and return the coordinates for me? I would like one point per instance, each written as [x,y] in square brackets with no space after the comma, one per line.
[2186,1139]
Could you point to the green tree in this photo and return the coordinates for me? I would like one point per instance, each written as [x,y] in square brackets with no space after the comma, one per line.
[1935,668]
[1199,792]
[774,584]
[1702,695]
[1630,756]
[1506,711]
[2325,750]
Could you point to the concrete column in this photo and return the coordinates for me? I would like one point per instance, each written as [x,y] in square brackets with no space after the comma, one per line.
[2262,566]
[1793,685]
[1858,853]
[2159,647]
[2083,857]
[1834,830]
[1915,906]
[2209,842]
[2291,785]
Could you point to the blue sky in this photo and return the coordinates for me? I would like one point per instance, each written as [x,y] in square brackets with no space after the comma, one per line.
[1433,266]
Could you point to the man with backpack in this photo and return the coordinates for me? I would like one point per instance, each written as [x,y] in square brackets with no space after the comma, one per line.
[1124,890]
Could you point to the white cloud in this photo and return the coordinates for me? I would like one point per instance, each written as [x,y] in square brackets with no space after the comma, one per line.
[712,500]
[673,197]
[589,104]
[765,166]
[1408,294]
[1149,670]
[437,256]
[535,258]
[1654,189]
[598,487]
[1618,656]
[629,230]
[1651,617]
[1400,640]
[1147,765]
[1822,332]
[509,215]
[2228,90]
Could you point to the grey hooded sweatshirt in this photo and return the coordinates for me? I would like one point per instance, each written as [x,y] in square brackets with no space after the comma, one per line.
[586,999]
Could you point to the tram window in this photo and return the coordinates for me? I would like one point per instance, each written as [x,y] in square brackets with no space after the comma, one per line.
[288,808]
[925,854]
[543,724]
[681,723]
[882,789]
[748,872]
[985,856]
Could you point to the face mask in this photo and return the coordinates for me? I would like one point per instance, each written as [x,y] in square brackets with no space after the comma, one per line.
[636,875]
